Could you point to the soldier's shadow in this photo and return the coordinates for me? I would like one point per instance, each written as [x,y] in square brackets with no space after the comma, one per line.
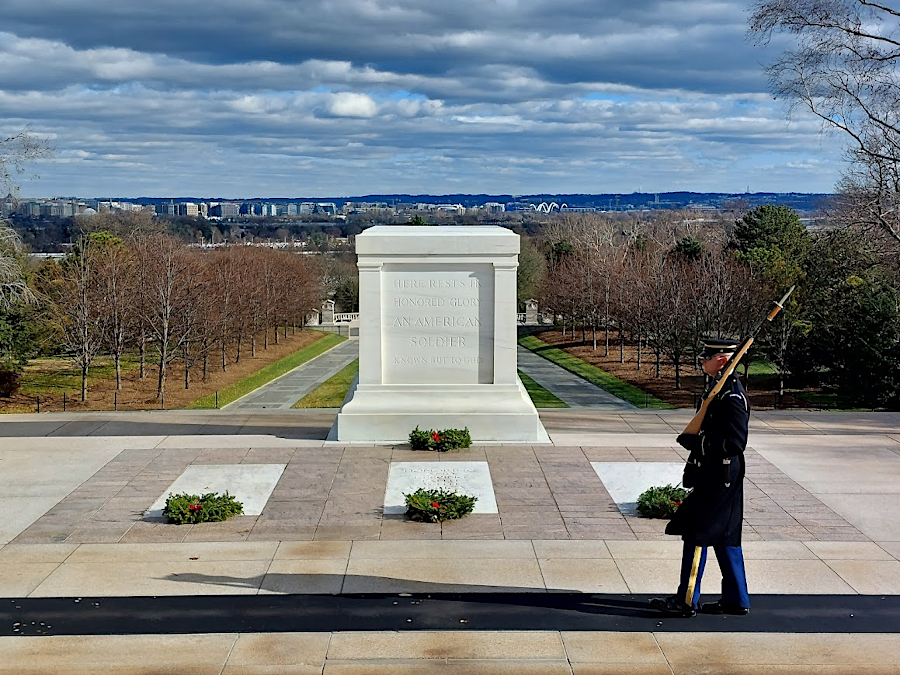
[367,586]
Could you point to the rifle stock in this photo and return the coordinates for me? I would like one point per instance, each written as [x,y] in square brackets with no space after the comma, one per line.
[693,427]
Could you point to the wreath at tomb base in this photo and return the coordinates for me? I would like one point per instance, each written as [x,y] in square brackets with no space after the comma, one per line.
[443,440]
[435,506]
[661,502]
[184,509]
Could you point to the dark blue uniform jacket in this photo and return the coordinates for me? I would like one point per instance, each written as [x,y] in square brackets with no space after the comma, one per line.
[712,514]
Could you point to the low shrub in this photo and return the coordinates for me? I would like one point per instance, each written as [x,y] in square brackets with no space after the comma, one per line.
[434,506]
[10,381]
[441,441]
[661,502]
[183,509]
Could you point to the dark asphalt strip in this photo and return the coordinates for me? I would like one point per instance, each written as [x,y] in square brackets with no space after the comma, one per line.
[436,611]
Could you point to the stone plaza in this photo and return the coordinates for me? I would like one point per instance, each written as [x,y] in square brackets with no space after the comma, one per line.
[821,542]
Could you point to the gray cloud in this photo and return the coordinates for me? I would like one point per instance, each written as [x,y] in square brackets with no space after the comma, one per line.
[353,96]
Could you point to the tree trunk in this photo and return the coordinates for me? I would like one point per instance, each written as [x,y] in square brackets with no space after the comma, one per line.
[162,371]
[84,374]
[639,351]
[606,319]
[621,345]
[239,342]
[657,363]
[184,357]
[594,333]
[205,365]
[253,345]
[143,372]
[224,358]
[117,358]
[677,372]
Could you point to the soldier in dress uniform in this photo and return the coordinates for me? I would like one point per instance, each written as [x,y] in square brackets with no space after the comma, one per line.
[713,512]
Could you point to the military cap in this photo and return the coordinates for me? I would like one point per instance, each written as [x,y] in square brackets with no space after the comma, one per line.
[713,346]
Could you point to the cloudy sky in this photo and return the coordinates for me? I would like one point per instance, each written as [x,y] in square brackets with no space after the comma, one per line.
[243,98]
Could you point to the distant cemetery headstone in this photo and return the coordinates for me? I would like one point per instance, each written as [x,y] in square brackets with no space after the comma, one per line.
[438,336]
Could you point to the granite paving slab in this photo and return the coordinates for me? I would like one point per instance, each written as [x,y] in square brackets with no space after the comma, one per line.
[540,493]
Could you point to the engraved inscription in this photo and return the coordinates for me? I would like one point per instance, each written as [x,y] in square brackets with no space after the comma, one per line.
[437,324]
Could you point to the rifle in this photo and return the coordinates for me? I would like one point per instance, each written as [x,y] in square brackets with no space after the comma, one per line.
[693,427]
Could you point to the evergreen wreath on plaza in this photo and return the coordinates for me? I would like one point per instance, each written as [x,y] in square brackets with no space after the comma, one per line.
[185,509]
[661,502]
[435,506]
[441,441]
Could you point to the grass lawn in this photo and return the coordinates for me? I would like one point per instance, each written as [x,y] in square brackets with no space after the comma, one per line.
[762,367]
[830,401]
[331,393]
[601,378]
[52,376]
[244,386]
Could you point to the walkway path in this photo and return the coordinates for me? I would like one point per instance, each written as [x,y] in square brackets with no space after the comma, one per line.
[282,393]
[575,391]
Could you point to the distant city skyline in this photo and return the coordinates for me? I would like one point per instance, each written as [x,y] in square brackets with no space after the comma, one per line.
[360,97]
[223,207]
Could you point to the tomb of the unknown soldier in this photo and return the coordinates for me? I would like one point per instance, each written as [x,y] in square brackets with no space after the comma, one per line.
[437,337]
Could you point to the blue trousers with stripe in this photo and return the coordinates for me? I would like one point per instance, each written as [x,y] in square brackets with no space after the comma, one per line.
[734,580]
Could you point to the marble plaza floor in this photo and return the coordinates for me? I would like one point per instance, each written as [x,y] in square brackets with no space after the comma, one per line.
[322,581]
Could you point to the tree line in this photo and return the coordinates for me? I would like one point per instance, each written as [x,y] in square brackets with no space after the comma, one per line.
[662,284]
[151,295]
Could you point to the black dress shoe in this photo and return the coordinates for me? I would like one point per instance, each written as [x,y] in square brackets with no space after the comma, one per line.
[673,605]
[719,607]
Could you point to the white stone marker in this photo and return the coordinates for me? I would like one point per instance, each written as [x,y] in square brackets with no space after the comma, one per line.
[468,478]
[250,484]
[437,337]
[625,481]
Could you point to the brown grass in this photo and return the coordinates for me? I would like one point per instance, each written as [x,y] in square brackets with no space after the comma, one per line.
[140,394]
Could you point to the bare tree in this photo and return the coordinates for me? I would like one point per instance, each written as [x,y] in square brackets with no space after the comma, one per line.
[13,287]
[844,70]
[114,269]
[75,302]
[670,315]
[16,152]
[170,282]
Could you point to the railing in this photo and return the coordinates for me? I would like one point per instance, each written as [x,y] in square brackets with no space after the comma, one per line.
[346,317]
